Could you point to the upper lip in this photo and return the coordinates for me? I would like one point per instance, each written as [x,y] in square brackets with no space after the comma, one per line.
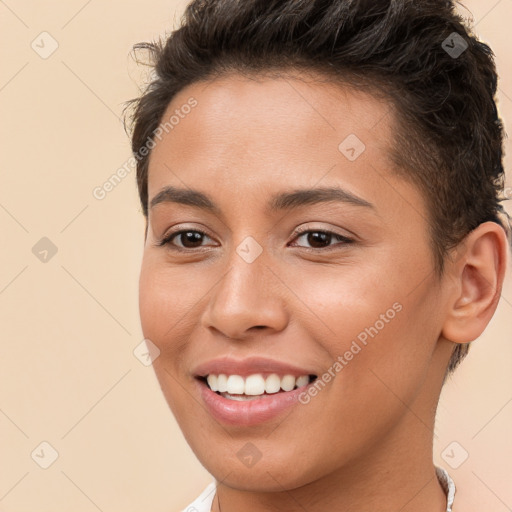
[248,366]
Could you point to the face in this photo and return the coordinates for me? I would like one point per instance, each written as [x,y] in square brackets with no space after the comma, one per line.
[307,257]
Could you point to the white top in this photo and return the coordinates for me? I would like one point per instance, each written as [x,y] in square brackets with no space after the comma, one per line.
[203,503]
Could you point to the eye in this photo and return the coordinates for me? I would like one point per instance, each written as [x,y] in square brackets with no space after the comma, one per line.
[190,239]
[321,239]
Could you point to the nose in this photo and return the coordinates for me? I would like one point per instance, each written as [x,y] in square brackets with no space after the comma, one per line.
[248,298]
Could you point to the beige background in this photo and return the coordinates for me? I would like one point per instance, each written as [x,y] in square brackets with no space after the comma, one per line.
[70,325]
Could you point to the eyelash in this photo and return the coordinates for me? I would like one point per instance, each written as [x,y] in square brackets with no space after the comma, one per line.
[299,232]
[341,238]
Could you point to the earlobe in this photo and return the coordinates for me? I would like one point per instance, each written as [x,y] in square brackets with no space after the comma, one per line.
[478,275]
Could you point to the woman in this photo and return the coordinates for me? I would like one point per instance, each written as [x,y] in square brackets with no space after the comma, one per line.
[324,238]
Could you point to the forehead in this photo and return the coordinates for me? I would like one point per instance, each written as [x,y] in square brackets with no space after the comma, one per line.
[256,133]
[294,105]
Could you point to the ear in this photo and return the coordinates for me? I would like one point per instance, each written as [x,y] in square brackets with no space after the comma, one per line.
[477,275]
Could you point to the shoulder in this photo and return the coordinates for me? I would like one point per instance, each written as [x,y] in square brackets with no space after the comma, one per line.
[203,503]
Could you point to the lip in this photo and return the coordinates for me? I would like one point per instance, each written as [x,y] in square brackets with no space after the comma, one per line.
[249,366]
[251,412]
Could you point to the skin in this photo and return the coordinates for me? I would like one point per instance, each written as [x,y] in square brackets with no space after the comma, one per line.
[365,441]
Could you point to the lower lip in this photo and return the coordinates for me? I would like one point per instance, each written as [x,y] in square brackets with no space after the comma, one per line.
[249,412]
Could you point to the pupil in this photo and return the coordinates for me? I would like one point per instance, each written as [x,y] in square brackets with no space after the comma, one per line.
[191,236]
[316,236]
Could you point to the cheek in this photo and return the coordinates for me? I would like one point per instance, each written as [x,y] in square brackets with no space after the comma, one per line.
[386,359]
[161,306]
[165,296]
[346,303]
[372,323]
[162,303]
[151,301]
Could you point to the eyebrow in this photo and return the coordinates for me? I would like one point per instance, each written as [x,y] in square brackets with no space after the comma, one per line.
[282,201]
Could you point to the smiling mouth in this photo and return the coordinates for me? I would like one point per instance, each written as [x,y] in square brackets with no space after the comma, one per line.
[256,386]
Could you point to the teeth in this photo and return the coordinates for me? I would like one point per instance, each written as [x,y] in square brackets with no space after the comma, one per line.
[213,382]
[302,381]
[222,383]
[254,385]
[239,398]
[273,383]
[288,382]
[236,385]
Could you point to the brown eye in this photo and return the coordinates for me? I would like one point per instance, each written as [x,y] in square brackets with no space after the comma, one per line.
[189,238]
[320,239]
